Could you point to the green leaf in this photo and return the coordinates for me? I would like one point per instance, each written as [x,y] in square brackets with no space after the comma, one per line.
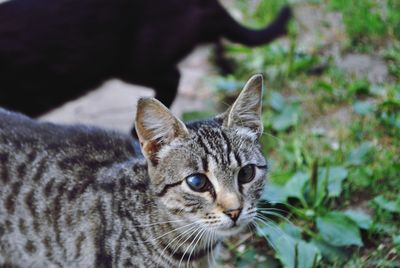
[359,86]
[329,183]
[303,62]
[322,189]
[391,119]
[308,254]
[277,101]
[274,193]
[358,156]
[321,84]
[364,107]
[362,177]
[387,228]
[286,247]
[292,230]
[332,253]
[295,186]
[247,257]
[279,176]
[286,119]
[335,176]
[383,203]
[338,230]
[396,240]
[363,220]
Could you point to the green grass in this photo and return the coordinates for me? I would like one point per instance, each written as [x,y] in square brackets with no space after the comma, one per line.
[369,22]
[333,144]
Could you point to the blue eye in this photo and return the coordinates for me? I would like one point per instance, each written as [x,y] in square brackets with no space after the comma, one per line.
[246,174]
[198,182]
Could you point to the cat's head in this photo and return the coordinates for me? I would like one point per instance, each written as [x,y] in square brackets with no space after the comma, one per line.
[210,172]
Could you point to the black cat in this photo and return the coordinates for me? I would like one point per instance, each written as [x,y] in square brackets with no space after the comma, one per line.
[52,51]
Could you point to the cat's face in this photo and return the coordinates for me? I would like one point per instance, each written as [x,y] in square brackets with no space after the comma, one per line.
[214,176]
[207,174]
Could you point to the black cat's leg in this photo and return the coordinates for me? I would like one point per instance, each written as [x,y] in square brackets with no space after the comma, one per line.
[166,86]
[225,65]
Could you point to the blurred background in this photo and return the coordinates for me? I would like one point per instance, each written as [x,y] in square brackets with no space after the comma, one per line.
[332,126]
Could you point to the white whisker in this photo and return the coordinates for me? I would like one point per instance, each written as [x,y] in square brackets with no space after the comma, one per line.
[194,246]
[158,223]
[276,215]
[273,226]
[173,230]
[183,256]
[264,235]
[180,237]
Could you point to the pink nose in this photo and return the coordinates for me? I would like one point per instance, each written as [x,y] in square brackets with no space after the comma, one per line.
[233,213]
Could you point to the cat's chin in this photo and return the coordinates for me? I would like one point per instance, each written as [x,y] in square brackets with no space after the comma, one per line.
[230,231]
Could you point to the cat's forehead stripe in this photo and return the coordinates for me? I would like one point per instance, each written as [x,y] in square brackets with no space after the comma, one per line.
[215,143]
[204,161]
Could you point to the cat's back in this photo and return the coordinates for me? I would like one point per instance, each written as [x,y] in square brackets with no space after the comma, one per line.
[28,146]
[21,132]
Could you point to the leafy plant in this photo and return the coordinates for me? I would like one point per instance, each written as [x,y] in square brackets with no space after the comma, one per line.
[383,203]
[322,232]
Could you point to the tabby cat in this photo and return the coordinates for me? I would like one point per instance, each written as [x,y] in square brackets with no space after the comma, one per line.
[53,51]
[78,196]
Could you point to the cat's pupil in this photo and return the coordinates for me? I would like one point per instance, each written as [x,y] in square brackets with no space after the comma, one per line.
[198,182]
[246,174]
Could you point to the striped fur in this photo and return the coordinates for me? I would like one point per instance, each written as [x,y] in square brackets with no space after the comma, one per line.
[77,196]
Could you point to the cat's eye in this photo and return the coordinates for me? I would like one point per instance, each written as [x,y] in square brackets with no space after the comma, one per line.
[198,182]
[246,174]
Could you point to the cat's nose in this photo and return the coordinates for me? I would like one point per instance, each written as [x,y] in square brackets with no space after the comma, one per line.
[233,213]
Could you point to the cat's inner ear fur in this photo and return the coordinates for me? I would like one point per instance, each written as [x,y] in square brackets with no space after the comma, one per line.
[246,110]
[156,126]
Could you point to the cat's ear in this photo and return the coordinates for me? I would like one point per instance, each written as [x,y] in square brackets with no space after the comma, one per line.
[246,110]
[156,126]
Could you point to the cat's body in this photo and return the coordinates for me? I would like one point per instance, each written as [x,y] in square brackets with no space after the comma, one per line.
[54,202]
[76,196]
[52,51]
